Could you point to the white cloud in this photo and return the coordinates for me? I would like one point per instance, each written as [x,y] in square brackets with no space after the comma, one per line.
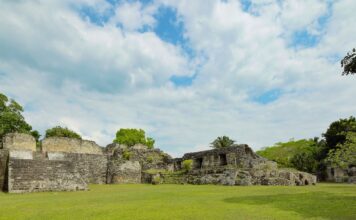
[134,15]
[97,79]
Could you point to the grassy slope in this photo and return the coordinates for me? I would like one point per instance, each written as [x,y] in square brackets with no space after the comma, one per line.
[282,153]
[324,201]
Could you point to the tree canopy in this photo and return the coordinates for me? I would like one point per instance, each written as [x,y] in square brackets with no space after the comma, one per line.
[59,131]
[11,118]
[223,141]
[132,136]
[349,63]
[345,154]
[335,135]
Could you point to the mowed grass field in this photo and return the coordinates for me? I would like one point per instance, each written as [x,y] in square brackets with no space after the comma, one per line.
[324,201]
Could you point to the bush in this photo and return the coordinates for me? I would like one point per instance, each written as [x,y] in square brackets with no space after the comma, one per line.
[187,165]
[149,159]
[132,136]
[126,155]
[58,131]
[156,180]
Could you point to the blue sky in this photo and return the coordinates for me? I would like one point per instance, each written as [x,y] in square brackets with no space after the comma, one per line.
[185,71]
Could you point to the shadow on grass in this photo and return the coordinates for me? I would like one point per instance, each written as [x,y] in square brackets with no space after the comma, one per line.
[308,205]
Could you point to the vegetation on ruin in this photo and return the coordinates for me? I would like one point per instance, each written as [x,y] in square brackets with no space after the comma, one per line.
[12,120]
[145,201]
[59,131]
[126,154]
[132,136]
[336,148]
[221,142]
[156,180]
[187,165]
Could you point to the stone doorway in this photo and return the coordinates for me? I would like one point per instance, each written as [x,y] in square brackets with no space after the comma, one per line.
[222,160]
[198,163]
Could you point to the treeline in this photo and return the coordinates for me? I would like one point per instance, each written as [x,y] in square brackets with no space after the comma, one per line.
[336,148]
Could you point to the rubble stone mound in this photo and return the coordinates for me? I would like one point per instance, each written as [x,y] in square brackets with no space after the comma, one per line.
[236,165]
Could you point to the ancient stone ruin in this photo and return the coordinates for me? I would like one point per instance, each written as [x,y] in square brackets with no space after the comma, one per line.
[238,165]
[65,164]
[340,175]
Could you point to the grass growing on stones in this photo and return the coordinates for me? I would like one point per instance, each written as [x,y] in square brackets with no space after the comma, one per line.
[324,201]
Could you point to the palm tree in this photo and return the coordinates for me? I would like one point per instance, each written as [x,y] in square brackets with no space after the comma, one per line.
[221,142]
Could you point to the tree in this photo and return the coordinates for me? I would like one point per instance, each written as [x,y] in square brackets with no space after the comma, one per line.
[349,63]
[305,161]
[221,142]
[11,119]
[345,155]
[335,135]
[132,136]
[58,131]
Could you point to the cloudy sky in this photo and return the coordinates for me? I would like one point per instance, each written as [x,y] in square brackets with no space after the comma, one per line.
[259,71]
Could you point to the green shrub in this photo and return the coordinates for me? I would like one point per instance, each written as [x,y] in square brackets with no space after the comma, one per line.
[156,180]
[132,136]
[58,131]
[149,159]
[126,154]
[187,165]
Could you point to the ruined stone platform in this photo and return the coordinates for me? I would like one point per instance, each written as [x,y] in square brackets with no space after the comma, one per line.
[65,164]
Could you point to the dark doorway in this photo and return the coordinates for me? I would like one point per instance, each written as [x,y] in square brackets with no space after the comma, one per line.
[223,160]
[198,163]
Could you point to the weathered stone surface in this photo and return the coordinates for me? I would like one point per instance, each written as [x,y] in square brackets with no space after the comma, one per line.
[19,141]
[238,165]
[91,167]
[124,172]
[340,175]
[21,154]
[148,158]
[70,145]
[43,175]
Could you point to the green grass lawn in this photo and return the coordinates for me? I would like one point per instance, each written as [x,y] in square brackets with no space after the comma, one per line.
[324,201]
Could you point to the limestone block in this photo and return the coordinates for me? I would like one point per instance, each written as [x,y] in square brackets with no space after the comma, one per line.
[139,147]
[21,154]
[19,141]
[56,156]
[70,145]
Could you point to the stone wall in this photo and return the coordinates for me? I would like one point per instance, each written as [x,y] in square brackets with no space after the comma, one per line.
[124,172]
[70,145]
[91,167]
[25,175]
[18,141]
[53,171]
[339,175]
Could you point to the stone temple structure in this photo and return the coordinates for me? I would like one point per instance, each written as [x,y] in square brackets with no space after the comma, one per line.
[65,164]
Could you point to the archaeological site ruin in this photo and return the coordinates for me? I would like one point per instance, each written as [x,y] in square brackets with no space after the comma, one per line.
[64,164]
